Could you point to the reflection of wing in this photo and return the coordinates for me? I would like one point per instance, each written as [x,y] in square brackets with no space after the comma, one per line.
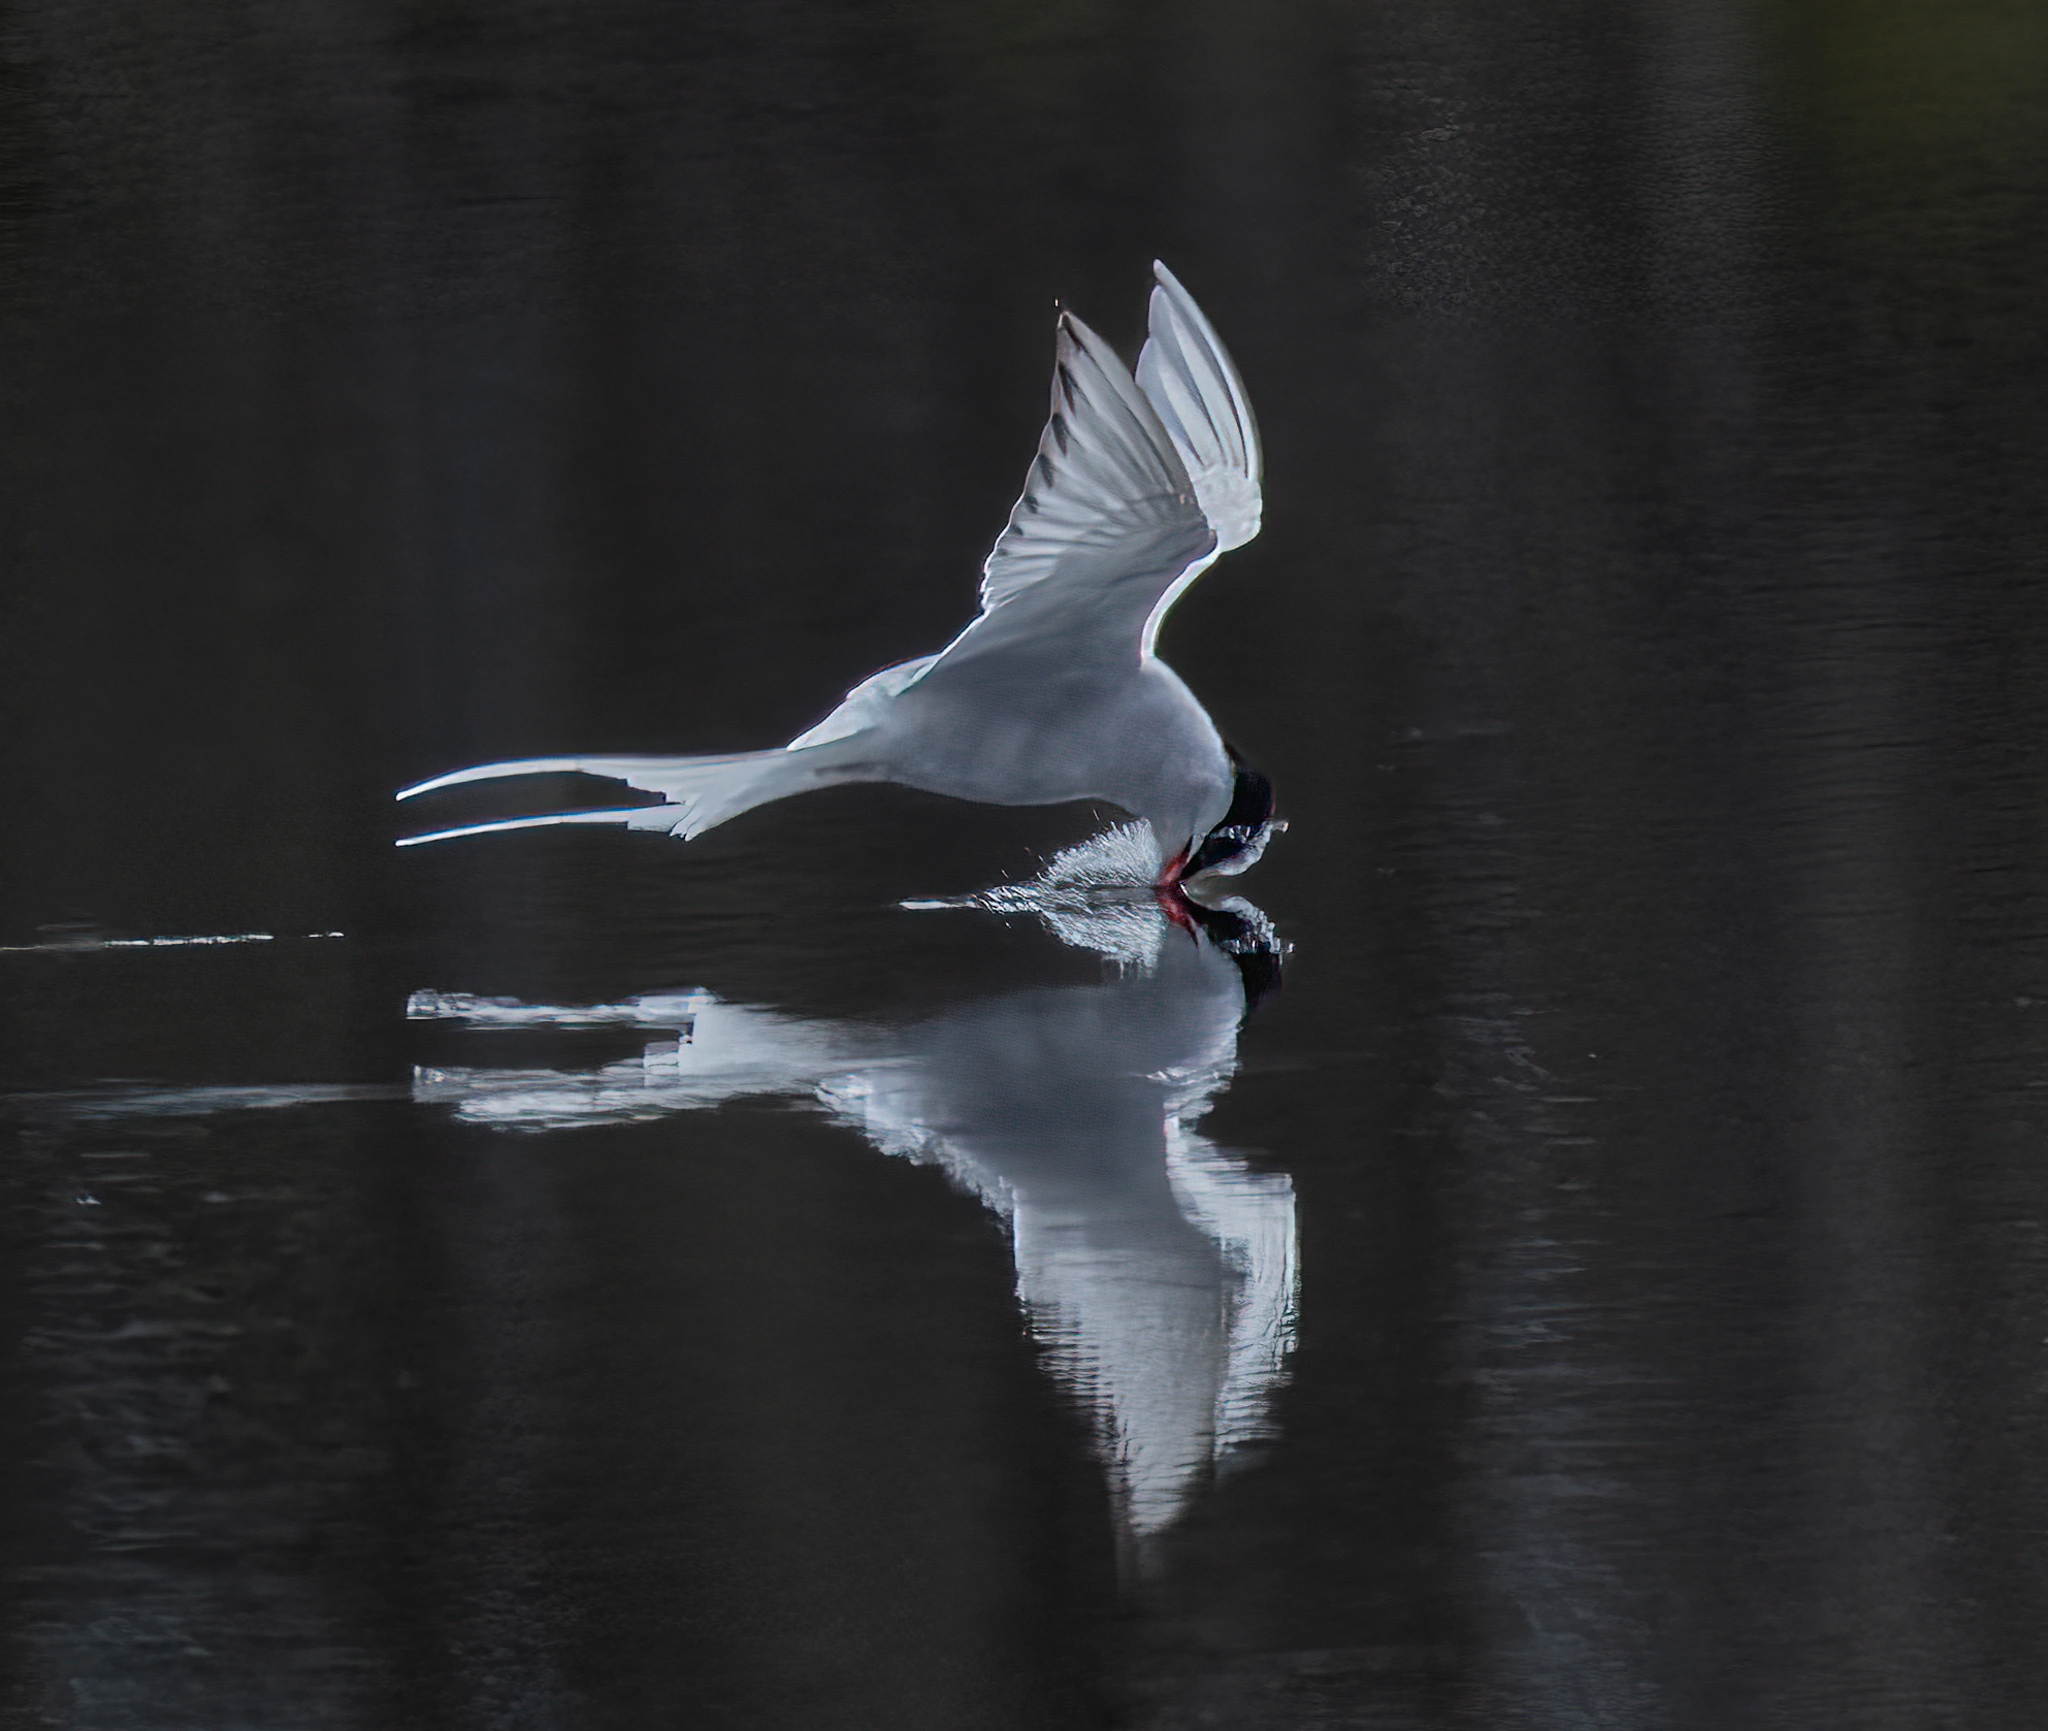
[1108,523]
[1158,1270]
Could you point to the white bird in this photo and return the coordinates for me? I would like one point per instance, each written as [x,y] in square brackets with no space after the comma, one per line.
[1053,693]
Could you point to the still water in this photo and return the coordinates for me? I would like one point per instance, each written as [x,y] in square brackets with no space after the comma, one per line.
[580,1279]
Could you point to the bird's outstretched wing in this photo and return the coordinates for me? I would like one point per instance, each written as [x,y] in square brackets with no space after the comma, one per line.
[1188,377]
[1115,518]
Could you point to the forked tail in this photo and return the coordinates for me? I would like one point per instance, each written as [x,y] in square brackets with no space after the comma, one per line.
[698,793]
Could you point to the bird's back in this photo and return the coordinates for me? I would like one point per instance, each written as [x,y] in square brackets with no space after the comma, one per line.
[1024,728]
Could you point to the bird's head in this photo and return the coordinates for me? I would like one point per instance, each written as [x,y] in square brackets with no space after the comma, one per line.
[1241,837]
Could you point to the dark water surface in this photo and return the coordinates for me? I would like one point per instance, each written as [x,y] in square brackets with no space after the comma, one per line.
[1649,642]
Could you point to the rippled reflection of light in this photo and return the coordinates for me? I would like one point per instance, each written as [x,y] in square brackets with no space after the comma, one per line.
[1157,1268]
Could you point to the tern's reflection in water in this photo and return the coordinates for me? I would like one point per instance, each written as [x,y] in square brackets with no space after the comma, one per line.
[1159,1270]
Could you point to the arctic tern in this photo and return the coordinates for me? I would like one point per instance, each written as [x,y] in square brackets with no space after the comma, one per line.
[1054,692]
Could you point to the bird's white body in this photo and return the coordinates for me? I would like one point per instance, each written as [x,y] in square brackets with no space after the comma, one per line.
[1053,692]
[1138,739]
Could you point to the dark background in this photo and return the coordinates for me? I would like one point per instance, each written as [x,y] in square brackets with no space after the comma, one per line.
[1648,644]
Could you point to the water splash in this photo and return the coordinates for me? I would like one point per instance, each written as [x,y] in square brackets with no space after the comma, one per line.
[1096,895]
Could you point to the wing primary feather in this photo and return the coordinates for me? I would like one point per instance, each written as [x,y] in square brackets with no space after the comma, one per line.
[1235,397]
[1136,484]
[1191,380]
[1106,471]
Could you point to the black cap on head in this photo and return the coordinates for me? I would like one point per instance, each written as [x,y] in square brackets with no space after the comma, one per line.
[1251,809]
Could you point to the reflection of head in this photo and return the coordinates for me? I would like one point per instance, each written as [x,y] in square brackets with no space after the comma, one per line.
[1157,1268]
[1246,936]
